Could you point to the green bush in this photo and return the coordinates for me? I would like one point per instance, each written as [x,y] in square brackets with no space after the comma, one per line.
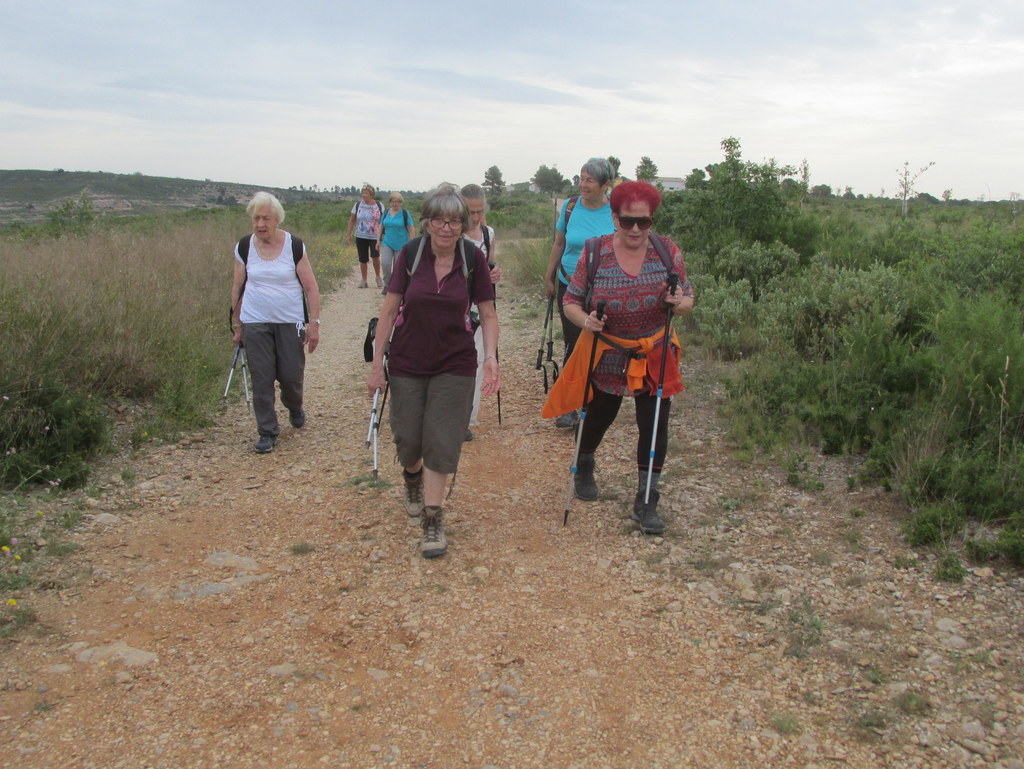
[47,433]
[726,317]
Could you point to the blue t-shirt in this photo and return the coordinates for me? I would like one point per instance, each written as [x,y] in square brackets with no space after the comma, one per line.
[584,223]
[396,233]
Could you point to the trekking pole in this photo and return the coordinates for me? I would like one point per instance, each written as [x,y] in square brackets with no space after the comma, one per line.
[499,391]
[246,382]
[543,337]
[583,418]
[231,374]
[373,416]
[673,280]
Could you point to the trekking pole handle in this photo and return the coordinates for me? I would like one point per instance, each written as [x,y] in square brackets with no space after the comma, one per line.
[673,281]
[600,309]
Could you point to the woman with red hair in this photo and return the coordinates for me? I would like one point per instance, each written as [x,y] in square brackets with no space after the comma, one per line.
[626,273]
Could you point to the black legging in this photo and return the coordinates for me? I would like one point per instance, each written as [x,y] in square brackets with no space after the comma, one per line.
[601,412]
[570,331]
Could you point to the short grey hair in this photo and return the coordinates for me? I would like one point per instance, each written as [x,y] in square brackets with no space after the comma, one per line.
[475,192]
[445,202]
[600,168]
[261,199]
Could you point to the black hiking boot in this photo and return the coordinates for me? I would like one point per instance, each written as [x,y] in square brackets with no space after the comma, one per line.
[433,543]
[265,444]
[583,481]
[646,513]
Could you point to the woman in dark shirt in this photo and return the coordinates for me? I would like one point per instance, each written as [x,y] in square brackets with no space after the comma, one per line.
[432,358]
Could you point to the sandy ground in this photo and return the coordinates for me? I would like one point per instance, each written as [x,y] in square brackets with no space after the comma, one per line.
[233,610]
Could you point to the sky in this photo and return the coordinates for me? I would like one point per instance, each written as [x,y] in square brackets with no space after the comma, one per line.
[405,95]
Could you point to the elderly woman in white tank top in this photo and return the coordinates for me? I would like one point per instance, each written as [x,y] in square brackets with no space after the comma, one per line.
[275,314]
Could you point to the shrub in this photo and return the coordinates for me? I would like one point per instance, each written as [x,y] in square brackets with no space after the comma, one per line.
[726,317]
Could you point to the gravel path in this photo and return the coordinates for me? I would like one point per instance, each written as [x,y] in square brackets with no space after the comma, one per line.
[235,610]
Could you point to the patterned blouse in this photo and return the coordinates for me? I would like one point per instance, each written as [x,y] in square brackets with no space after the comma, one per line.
[633,306]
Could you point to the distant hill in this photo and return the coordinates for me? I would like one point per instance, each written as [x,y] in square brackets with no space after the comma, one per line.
[27,196]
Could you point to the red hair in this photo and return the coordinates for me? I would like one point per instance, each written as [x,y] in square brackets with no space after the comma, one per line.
[628,193]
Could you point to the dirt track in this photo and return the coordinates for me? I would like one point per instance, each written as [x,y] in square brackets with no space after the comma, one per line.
[232,610]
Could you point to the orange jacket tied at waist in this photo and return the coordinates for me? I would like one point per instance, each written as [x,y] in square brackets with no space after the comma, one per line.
[567,393]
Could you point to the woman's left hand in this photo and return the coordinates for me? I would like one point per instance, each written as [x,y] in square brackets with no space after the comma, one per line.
[678,302]
[495,274]
[492,376]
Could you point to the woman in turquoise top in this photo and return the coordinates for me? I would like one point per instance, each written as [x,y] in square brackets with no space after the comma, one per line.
[583,216]
[396,230]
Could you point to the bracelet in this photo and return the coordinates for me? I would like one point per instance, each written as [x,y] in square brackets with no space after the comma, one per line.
[315,320]
[491,357]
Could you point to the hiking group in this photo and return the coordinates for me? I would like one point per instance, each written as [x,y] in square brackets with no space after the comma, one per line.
[435,346]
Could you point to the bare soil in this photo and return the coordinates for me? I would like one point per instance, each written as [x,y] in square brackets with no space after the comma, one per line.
[228,609]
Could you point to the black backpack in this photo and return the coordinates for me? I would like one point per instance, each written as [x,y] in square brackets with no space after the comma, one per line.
[468,265]
[591,250]
[243,251]
[405,218]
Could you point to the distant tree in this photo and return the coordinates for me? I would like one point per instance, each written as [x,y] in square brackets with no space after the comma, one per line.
[615,164]
[72,216]
[905,182]
[647,171]
[947,195]
[738,201]
[848,194]
[821,191]
[696,179]
[493,182]
[550,180]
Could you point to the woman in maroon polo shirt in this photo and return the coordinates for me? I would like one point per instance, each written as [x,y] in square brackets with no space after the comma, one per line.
[432,357]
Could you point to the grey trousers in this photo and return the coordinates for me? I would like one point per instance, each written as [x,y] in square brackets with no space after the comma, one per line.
[275,352]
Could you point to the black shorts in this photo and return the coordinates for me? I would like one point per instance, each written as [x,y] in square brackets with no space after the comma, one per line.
[366,247]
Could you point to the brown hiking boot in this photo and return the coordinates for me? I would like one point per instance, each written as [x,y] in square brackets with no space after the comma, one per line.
[433,543]
[413,493]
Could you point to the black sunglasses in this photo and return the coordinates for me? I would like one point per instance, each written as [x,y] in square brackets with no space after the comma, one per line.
[643,222]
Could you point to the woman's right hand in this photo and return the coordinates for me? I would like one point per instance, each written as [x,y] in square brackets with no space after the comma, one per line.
[549,286]
[593,324]
[376,380]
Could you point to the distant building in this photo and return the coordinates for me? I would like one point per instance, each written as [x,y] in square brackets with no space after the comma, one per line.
[671,183]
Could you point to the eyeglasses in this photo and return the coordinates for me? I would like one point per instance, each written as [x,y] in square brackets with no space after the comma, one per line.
[643,222]
[451,224]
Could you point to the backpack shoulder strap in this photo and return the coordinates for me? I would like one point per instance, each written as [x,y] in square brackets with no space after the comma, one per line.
[487,241]
[659,245]
[570,206]
[405,217]
[468,268]
[243,247]
[418,242]
[296,249]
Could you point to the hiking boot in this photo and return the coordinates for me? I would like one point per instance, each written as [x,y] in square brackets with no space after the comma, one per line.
[469,435]
[646,514]
[265,444]
[571,419]
[433,543]
[583,480]
[297,418]
[380,283]
[362,284]
[413,493]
